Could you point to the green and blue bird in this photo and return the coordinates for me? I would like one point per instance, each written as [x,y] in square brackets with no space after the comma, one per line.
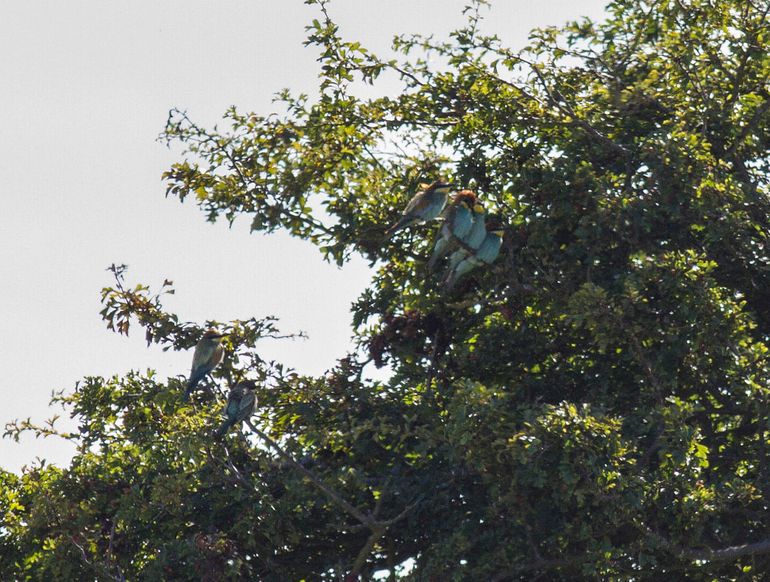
[486,254]
[458,221]
[240,405]
[426,205]
[472,240]
[207,355]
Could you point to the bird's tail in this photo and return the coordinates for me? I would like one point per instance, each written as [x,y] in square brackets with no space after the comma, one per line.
[191,384]
[389,233]
[439,251]
[402,222]
[223,428]
[450,280]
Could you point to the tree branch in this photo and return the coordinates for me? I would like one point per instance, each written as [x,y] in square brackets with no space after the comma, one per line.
[539,565]
[365,519]
[364,553]
[707,554]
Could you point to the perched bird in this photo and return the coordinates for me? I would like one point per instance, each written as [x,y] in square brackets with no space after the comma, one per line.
[239,407]
[208,353]
[458,220]
[472,241]
[478,229]
[484,255]
[426,205]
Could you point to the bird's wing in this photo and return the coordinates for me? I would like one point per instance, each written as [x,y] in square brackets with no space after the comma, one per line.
[233,402]
[490,248]
[448,213]
[246,406]
[457,257]
[199,356]
[454,275]
[462,223]
[439,250]
[477,233]
[219,352]
[418,202]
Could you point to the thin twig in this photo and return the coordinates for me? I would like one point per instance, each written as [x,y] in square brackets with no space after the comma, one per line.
[96,567]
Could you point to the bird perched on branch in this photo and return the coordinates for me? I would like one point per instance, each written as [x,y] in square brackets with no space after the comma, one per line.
[458,221]
[426,205]
[485,254]
[472,241]
[208,353]
[240,405]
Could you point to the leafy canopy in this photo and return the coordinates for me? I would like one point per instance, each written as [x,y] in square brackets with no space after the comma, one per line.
[593,406]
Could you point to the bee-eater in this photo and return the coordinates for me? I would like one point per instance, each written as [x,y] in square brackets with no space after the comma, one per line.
[208,353]
[458,220]
[239,407]
[472,240]
[484,255]
[478,230]
[426,205]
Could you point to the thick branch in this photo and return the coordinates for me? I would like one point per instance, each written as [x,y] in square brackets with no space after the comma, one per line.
[712,555]
[364,553]
[708,555]
[729,553]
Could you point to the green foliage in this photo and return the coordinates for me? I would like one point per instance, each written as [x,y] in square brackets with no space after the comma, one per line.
[593,406]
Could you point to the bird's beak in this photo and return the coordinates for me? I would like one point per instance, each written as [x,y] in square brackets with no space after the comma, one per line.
[499,233]
[478,209]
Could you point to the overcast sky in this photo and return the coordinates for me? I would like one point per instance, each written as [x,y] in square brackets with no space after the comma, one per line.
[85,88]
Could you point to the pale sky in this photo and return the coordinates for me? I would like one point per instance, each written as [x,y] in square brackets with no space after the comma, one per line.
[85,88]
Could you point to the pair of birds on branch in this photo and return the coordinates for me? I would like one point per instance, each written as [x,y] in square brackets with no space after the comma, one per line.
[467,234]
[240,400]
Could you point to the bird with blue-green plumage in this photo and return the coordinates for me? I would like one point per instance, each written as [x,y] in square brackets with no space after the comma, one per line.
[463,261]
[240,406]
[426,205]
[472,241]
[458,222]
[207,355]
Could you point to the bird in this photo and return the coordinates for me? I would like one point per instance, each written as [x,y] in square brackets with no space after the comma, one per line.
[484,255]
[478,230]
[208,353]
[458,221]
[472,240]
[240,405]
[426,205]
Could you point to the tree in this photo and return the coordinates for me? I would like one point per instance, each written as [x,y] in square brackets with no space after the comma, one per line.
[593,406]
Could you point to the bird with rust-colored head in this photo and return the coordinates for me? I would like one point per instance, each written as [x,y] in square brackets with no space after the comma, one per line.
[426,205]
[207,355]
[240,406]
[458,221]
[485,254]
